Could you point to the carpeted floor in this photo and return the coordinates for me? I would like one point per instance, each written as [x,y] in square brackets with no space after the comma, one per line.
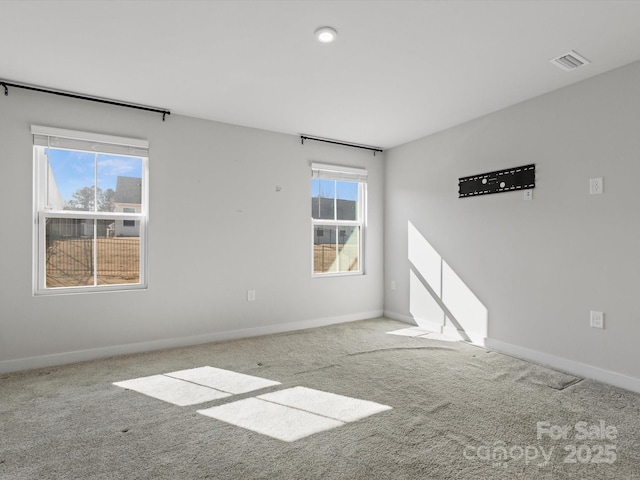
[437,410]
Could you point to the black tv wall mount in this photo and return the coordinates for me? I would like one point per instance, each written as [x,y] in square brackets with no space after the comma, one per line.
[508,180]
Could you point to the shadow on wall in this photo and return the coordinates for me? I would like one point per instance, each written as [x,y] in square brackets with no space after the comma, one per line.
[438,299]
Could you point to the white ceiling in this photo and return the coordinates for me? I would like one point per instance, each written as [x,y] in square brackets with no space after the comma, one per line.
[398,71]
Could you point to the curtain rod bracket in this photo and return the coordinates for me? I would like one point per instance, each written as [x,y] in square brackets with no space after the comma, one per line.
[6,90]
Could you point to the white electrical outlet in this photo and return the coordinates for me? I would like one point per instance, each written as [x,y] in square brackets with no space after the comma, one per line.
[596,186]
[596,319]
[528,194]
[393,284]
[251,295]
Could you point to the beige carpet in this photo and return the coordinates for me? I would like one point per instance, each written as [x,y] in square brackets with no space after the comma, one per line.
[348,402]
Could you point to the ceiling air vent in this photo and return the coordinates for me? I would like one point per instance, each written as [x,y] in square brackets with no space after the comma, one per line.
[570,61]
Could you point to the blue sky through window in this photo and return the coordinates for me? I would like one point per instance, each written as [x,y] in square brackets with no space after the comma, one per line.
[74,170]
[327,189]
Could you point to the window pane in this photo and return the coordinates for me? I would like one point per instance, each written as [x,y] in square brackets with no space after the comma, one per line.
[118,260]
[347,198]
[324,249]
[119,183]
[69,252]
[71,180]
[323,199]
[349,249]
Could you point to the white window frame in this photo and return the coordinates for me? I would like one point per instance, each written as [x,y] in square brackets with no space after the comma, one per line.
[346,174]
[45,137]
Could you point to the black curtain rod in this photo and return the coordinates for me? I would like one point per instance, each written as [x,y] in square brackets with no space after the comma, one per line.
[364,147]
[83,97]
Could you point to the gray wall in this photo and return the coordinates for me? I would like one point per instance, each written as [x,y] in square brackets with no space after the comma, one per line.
[213,206]
[538,267]
[522,274]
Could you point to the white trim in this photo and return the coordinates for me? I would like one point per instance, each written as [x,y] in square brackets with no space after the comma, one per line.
[566,365]
[83,289]
[474,338]
[88,136]
[427,324]
[89,215]
[558,363]
[352,273]
[338,168]
[360,223]
[96,353]
[400,317]
[322,171]
[37,231]
[41,213]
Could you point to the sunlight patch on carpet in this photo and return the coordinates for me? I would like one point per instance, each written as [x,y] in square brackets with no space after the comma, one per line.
[339,407]
[196,385]
[294,413]
[411,332]
[267,418]
[172,390]
[443,337]
[224,380]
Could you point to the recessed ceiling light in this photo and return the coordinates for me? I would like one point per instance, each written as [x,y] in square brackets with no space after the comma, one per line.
[326,34]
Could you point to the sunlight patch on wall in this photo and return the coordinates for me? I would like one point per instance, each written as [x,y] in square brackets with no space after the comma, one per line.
[425,259]
[438,298]
[422,306]
[469,314]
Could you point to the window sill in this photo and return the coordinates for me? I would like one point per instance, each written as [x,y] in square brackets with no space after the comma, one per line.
[340,274]
[89,289]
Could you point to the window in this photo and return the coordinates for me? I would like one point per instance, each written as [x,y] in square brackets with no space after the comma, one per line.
[90,211]
[129,223]
[338,212]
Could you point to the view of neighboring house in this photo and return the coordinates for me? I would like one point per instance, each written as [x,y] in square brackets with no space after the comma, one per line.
[128,199]
[322,207]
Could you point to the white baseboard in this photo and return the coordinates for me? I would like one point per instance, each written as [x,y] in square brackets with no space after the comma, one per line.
[429,325]
[558,363]
[569,366]
[111,351]
[400,317]
[472,337]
